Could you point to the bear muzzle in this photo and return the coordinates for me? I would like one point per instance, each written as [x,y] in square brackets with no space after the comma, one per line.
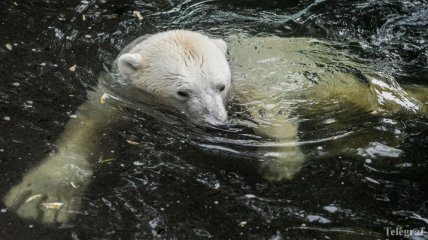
[217,118]
[212,110]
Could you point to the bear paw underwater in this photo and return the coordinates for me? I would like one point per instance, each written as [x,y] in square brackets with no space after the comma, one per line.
[51,192]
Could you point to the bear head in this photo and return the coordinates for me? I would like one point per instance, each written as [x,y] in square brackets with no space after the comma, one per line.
[186,71]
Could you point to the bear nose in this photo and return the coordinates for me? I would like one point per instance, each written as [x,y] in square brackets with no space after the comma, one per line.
[216,120]
[215,112]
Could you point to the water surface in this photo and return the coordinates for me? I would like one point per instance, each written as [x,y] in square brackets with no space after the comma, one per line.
[182,182]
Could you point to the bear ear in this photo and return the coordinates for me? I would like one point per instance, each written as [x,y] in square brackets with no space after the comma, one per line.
[221,44]
[129,63]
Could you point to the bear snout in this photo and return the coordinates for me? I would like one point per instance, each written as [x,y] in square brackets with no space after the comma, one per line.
[214,112]
[218,119]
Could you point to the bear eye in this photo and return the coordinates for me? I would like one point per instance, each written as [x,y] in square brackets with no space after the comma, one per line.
[221,87]
[183,94]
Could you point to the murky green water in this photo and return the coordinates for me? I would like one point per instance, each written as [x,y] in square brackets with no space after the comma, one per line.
[363,173]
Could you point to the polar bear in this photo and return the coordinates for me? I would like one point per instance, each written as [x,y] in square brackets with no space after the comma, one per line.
[190,73]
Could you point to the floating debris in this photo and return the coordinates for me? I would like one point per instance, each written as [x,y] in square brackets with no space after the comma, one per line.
[106,161]
[330,208]
[52,205]
[73,68]
[132,142]
[16,84]
[33,198]
[319,219]
[73,185]
[249,196]
[8,46]
[137,163]
[242,224]
[26,105]
[6,118]
[329,121]
[138,15]
[404,165]
[372,180]
[83,17]
[103,98]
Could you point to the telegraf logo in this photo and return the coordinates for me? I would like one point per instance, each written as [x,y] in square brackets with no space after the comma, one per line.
[406,233]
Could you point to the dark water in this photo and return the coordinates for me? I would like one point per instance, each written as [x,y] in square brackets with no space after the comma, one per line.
[169,187]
